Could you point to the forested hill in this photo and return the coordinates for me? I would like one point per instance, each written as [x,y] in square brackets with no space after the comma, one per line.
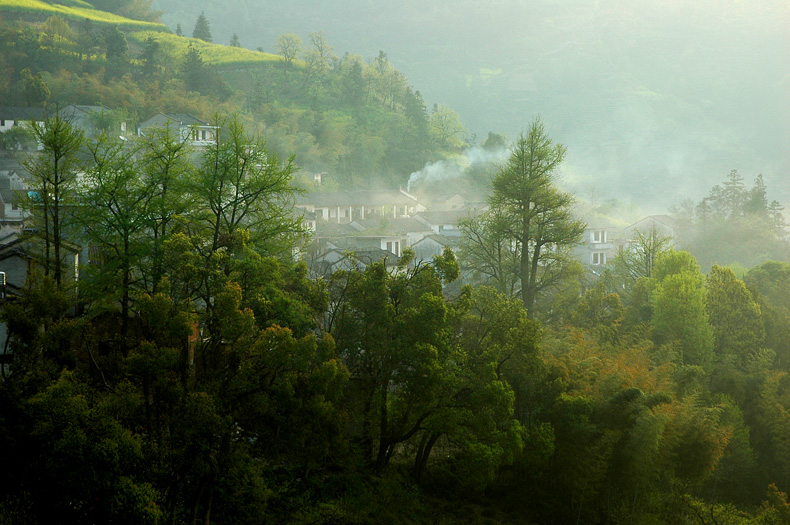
[655,100]
[356,120]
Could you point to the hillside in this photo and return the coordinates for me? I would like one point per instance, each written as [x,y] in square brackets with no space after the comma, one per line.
[655,101]
[355,120]
[73,11]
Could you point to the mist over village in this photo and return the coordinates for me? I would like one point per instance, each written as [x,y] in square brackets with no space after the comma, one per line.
[367,262]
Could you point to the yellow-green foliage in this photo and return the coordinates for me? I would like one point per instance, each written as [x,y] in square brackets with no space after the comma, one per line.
[76,3]
[213,54]
[77,10]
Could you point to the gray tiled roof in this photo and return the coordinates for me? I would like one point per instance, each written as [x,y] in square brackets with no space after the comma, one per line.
[9,195]
[444,240]
[444,217]
[180,119]
[356,198]
[392,226]
[11,113]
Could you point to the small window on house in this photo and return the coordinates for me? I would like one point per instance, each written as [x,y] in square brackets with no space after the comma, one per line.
[389,247]
[2,122]
[598,258]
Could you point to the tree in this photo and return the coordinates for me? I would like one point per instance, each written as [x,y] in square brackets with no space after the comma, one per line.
[88,39]
[57,29]
[637,260]
[179,31]
[446,128]
[202,30]
[680,318]
[151,56]
[116,52]
[114,218]
[166,167]
[193,70]
[289,46]
[735,317]
[494,142]
[496,353]
[244,198]
[734,224]
[769,285]
[234,41]
[34,87]
[533,219]
[53,174]
[391,331]
[117,46]
[317,59]
[489,251]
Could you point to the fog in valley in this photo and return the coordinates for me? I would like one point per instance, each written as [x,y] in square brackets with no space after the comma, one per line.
[656,101]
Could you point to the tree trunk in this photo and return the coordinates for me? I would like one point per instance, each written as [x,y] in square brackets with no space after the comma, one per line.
[383,453]
[423,453]
[56,229]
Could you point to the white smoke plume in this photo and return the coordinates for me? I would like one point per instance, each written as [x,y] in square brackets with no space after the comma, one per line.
[456,166]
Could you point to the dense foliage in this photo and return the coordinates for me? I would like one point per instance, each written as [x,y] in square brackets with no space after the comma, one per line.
[197,374]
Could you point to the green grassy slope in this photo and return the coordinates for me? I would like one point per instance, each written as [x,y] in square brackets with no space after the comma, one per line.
[213,54]
[76,10]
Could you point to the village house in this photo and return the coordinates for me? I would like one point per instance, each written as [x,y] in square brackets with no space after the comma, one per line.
[347,206]
[190,129]
[432,245]
[447,202]
[21,253]
[598,246]
[444,222]
[663,224]
[13,117]
[335,259]
[95,120]
[91,120]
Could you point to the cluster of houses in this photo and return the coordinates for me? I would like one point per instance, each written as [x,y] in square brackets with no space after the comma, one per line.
[354,228]
[92,120]
[350,228]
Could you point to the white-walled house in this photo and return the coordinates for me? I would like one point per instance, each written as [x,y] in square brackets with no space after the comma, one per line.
[189,128]
[598,246]
[12,192]
[347,206]
[13,117]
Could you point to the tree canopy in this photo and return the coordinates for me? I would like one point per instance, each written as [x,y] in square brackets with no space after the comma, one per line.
[526,236]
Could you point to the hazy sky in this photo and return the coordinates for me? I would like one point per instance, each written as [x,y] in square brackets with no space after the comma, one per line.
[655,100]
